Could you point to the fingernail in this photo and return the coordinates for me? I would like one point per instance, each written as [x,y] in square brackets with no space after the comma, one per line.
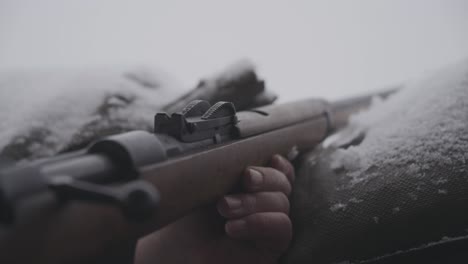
[281,162]
[236,227]
[256,178]
[276,160]
[232,202]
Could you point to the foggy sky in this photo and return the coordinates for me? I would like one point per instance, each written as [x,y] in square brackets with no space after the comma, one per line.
[302,48]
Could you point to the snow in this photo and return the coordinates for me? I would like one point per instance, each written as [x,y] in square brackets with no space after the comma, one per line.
[45,109]
[44,112]
[421,127]
[232,72]
[442,191]
[442,240]
[376,219]
[241,69]
[355,200]
[338,206]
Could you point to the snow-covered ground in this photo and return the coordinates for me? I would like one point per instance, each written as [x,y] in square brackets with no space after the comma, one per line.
[422,127]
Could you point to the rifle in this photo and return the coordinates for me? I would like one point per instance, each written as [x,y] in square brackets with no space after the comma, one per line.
[93,205]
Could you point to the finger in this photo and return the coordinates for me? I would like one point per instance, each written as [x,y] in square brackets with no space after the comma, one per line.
[272,230]
[282,164]
[240,205]
[263,179]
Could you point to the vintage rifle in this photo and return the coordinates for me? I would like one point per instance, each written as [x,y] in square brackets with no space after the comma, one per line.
[91,206]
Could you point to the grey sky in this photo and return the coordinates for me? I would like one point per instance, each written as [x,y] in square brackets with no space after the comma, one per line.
[303,48]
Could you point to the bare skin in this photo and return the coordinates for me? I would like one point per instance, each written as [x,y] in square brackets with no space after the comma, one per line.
[251,226]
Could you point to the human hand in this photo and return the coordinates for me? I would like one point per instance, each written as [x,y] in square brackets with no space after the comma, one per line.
[248,227]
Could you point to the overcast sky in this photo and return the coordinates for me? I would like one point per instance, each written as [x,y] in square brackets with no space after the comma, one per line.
[302,48]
